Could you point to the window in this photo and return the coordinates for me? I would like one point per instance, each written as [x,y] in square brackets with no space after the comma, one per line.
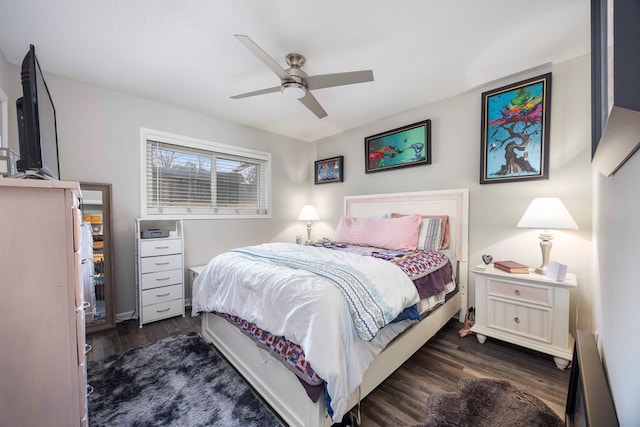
[189,178]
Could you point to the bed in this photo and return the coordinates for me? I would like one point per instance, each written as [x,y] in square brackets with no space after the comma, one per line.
[281,388]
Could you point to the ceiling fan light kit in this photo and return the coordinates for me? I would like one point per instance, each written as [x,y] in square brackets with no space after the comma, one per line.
[295,83]
[293,90]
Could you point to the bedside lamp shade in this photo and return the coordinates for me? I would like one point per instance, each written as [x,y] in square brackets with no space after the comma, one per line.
[308,213]
[547,213]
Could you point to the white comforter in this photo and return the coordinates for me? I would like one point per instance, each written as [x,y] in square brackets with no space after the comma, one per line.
[306,308]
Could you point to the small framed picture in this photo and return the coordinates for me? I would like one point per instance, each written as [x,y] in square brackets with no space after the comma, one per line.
[399,148]
[329,170]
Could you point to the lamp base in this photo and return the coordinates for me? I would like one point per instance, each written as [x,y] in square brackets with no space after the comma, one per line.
[545,246]
[309,241]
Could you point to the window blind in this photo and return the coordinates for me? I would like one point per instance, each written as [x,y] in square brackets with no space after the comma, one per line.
[182,180]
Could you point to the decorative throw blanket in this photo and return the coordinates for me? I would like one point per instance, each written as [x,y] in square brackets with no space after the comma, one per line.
[367,305]
[430,271]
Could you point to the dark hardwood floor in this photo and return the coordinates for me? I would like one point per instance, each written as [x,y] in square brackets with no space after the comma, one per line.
[128,335]
[401,399]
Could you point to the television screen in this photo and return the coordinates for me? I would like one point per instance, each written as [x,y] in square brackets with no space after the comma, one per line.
[37,130]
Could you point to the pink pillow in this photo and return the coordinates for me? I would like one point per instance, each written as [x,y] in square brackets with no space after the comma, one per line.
[399,234]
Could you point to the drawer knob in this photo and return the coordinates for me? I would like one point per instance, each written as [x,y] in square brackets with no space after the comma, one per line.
[516,319]
[517,292]
[163,310]
[163,295]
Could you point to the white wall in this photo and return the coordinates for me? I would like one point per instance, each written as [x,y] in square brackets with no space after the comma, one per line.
[617,239]
[4,101]
[495,209]
[99,141]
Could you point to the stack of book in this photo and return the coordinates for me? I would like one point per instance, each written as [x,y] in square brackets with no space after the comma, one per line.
[511,267]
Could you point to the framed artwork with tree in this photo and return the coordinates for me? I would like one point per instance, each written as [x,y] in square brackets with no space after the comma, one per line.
[515,131]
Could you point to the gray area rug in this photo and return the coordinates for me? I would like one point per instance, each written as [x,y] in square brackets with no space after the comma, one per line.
[177,381]
[489,403]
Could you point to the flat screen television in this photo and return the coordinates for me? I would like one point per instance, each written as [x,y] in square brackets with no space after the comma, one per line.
[37,132]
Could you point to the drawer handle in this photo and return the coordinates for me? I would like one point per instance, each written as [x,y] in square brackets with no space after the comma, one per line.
[163,295]
[517,292]
[87,348]
[163,310]
[84,261]
[86,304]
[89,390]
[162,247]
[160,279]
[516,319]
[162,263]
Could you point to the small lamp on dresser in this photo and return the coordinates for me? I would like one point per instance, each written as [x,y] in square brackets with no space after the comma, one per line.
[308,213]
[547,213]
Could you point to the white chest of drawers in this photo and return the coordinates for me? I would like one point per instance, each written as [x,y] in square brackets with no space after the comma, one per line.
[525,309]
[160,272]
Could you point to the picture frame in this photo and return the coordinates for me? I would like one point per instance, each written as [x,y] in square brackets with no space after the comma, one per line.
[406,146]
[329,170]
[515,131]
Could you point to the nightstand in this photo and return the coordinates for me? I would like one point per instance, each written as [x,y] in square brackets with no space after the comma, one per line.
[525,309]
[194,272]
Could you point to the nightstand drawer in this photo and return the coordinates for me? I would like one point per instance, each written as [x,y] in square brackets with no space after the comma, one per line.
[161,278]
[160,247]
[160,263]
[520,292]
[527,321]
[163,310]
[158,295]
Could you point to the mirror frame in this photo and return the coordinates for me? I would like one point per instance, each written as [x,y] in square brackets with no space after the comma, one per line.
[109,285]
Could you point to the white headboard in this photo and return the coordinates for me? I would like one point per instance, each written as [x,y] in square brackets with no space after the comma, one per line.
[454,203]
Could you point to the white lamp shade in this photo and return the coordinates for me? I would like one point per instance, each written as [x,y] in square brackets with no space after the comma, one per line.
[308,213]
[548,213]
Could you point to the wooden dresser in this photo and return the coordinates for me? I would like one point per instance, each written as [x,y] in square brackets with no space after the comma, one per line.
[42,362]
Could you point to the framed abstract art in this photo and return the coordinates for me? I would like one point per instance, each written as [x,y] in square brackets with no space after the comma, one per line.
[515,131]
[329,170]
[398,148]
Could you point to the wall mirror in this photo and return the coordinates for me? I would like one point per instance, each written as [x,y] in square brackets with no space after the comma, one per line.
[99,288]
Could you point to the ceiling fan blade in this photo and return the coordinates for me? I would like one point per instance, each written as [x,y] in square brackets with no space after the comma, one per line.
[312,104]
[263,56]
[257,92]
[339,79]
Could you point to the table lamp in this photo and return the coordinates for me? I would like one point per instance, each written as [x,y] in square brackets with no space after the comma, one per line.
[308,213]
[547,213]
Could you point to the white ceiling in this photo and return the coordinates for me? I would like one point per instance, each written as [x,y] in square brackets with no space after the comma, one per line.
[184,53]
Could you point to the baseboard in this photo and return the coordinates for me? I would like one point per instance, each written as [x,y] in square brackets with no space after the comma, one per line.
[128,315]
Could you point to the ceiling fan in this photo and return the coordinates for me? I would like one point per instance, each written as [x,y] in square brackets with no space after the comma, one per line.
[296,83]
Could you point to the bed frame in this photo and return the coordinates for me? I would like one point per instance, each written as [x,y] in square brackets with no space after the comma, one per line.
[280,388]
